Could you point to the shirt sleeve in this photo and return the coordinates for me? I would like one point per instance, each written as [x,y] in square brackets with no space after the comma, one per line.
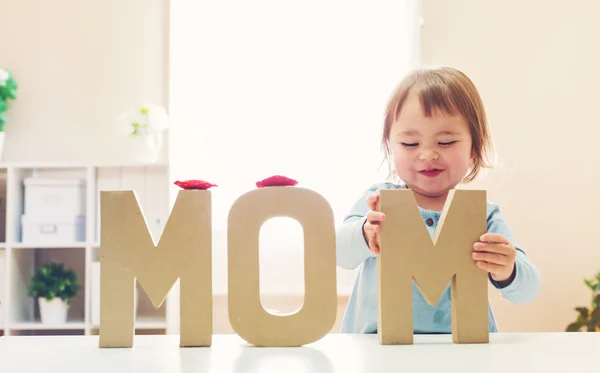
[526,281]
[351,247]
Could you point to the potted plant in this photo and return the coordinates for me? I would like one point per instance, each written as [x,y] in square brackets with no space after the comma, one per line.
[8,88]
[53,286]
[145,126]
[588,319]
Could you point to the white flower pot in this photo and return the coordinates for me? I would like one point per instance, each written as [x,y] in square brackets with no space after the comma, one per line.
[145,147]
[53,312]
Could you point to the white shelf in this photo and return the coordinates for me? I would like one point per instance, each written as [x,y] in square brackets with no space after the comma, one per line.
[18,260]
[66,245]
[37,325]
[63,165]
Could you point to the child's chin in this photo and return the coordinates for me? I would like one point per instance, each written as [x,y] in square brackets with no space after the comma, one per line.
[436,190]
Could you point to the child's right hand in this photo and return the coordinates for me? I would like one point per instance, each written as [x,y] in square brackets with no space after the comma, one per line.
[371,227]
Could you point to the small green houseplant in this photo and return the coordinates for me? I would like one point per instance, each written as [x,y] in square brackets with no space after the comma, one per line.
[53,286]
[588,319]
[8,91]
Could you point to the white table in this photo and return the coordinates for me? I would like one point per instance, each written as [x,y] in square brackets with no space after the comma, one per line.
[506,353]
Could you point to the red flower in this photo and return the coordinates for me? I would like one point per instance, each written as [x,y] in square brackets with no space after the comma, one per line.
[194,184]
[276,180]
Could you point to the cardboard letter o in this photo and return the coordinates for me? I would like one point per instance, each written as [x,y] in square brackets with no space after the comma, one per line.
[247,316]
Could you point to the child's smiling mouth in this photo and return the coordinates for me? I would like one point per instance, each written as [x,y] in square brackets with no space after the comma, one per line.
[431,172]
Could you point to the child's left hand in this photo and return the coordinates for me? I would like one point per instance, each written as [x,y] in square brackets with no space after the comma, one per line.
[496,255]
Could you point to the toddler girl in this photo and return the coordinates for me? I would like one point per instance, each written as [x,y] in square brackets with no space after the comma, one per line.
[435,136]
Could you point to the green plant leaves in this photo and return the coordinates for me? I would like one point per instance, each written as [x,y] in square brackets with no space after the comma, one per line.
[8,90]
[583,312]
[53,280]
[588,317]
[596,301]
[573,327]
[595,316]
[590,284]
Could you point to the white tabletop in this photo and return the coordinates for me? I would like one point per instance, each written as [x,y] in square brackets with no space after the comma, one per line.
[506,353]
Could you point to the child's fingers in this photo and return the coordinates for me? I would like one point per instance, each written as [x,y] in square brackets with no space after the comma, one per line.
[493,238]
[499,248]
[371,228]
[491,258]
[374,217]
[372,201]
[489,267]
[371,236]
[373,245]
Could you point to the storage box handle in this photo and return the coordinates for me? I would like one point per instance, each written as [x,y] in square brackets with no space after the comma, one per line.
[48,228]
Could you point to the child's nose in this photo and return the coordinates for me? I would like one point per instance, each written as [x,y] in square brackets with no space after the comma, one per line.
[429,154]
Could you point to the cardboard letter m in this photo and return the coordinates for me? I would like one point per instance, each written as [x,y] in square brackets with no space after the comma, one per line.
[408,252]
[128,253]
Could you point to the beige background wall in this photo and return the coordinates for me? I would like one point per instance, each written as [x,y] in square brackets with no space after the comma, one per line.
[79,65]
[537,65]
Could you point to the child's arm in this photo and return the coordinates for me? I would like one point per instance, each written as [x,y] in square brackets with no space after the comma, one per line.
[351,246]
[524,285]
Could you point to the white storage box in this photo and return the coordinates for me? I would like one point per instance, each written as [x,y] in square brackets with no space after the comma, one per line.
[60,197]
[52,229]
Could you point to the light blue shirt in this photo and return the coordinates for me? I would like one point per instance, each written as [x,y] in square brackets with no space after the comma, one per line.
[361,312]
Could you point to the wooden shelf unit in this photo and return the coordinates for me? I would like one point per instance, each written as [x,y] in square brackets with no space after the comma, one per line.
[19,313]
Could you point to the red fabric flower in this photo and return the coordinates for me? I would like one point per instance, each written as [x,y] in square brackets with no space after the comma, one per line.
[194,184]
[276,180]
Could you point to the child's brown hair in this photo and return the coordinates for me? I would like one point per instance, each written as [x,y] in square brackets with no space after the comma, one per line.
[451,92]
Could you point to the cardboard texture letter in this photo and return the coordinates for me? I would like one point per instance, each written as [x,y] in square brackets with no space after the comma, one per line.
[246,315]
[128,253]
[407,252]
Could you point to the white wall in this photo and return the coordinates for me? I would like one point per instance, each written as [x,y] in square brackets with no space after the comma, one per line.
[79,64]
[276,88]
[536,64]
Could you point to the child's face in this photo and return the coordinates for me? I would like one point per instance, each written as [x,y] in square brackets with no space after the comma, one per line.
[431,155]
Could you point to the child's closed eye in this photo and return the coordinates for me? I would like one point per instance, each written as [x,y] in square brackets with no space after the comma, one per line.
[447,143]
[409,145]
